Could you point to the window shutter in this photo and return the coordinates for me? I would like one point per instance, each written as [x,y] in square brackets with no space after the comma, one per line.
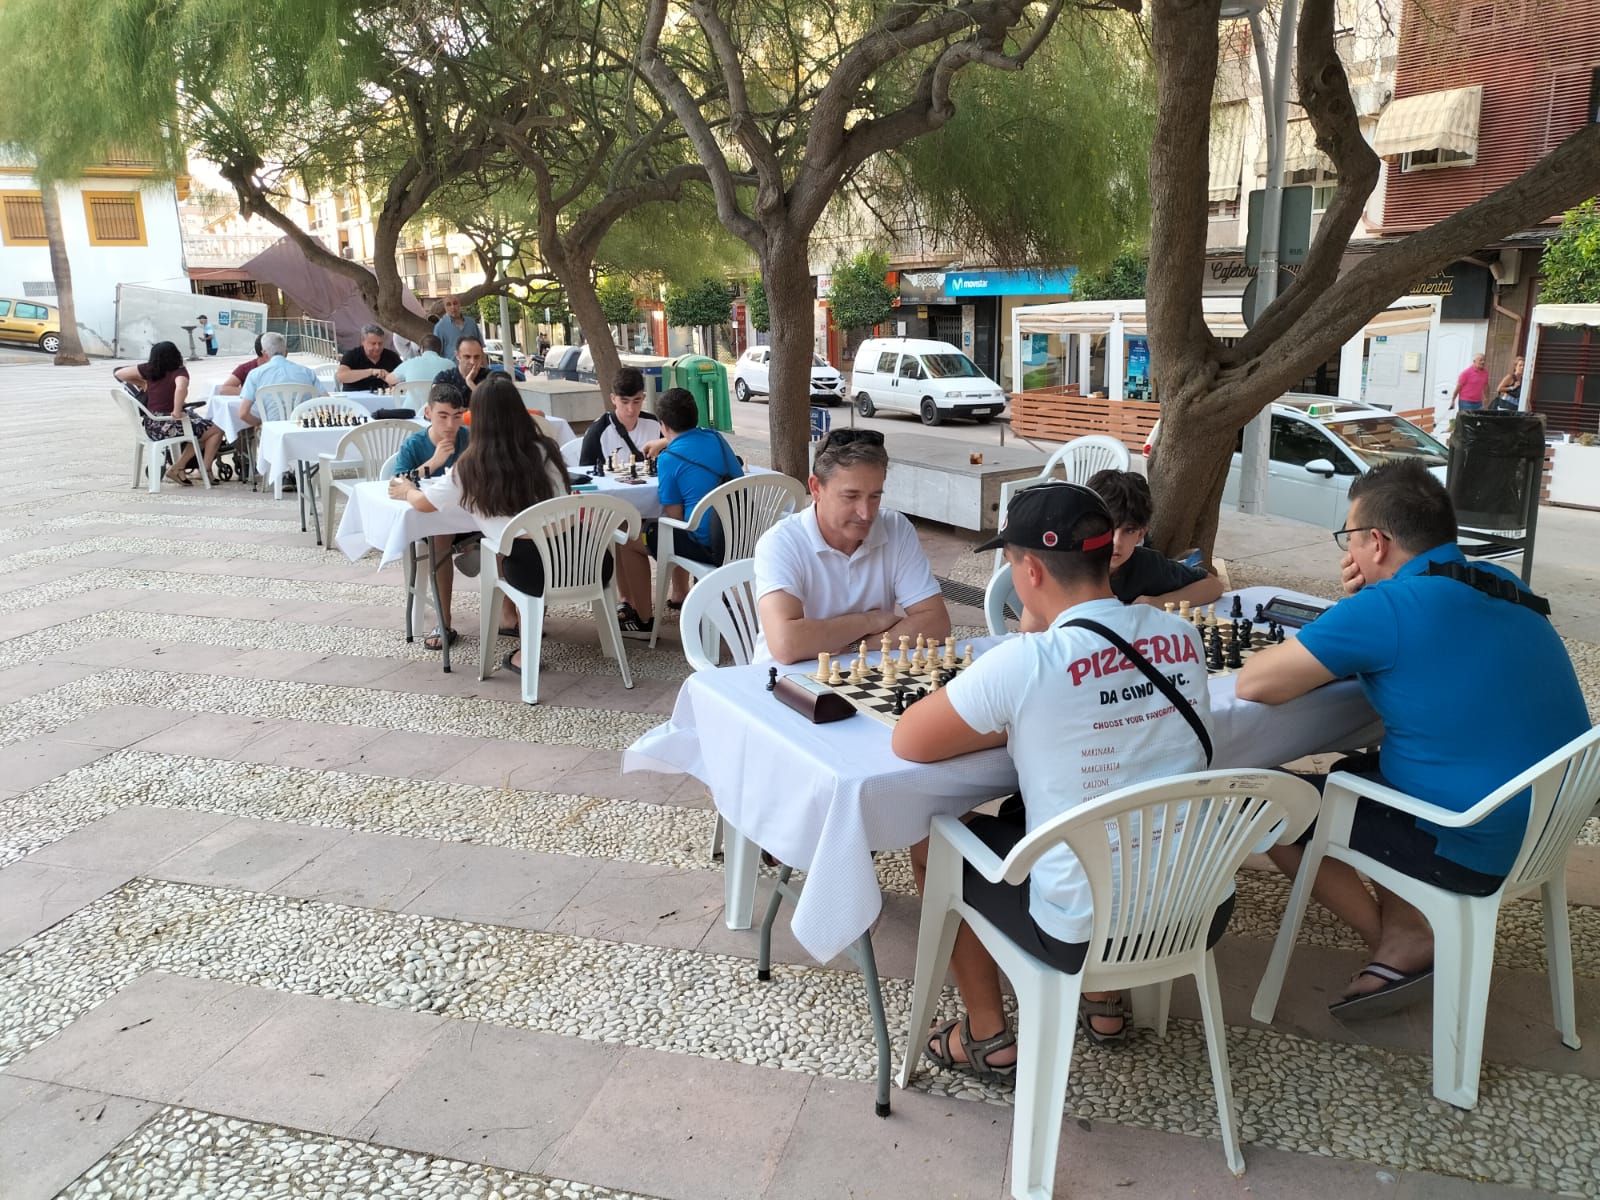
[23,218]
[114,218]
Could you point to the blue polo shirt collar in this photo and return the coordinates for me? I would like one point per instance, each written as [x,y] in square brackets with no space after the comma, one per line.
[1447,552]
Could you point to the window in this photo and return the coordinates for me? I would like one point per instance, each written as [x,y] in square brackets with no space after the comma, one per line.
[1324,181]
[1297,443]
[1428,160]
[32,312]
[5,308]
[910,368]
[887,361]
[1223,210]
[22,219]
[115,218]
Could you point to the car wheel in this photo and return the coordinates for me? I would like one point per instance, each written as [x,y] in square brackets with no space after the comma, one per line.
[741,391]
[50,343]
[984,420]
[864,404]
[930,411]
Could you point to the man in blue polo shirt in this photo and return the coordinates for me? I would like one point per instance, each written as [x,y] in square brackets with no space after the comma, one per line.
[1435,644]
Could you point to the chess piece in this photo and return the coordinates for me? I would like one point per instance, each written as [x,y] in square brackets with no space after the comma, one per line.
[899,702]
[822,667]
[1261,613]
[1211,614]
[890,675]
[966,659]
[1233,659]
[938,678]
[949,653]
[1170,607]
[834,678]
[883,649]
[904,663]
[772,679]
[1238,607]
[1183,609]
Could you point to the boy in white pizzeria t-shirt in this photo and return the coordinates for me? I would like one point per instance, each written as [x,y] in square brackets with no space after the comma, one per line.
[1079,720]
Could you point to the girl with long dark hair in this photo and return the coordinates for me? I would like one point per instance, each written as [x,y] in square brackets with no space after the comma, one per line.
[163,383]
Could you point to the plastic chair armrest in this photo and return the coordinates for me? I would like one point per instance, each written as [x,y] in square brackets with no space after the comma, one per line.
[1354,785]
[686,524]
[966,843]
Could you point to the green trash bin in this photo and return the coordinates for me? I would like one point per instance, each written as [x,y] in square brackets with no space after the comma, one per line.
[707,381]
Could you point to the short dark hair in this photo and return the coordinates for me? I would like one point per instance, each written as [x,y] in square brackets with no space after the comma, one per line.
[1127,497]
[1402,498]
[467,337]
[1071,568]
[258,345]
[841,456]
[431,344]
[677,410]
[629,381]
[446,393]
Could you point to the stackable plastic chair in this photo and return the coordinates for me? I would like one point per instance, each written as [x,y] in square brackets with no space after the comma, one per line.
[361,450]
[998,596]
[1076,462]
[573,535]
[1565,787]
[277,401]
[570,450]
[304,470]
[150,456]
[719,610]
[747,507]
[414,393]
[326,374]
[1179,843]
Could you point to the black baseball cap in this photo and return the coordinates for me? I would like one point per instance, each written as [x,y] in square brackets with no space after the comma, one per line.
[1042,517]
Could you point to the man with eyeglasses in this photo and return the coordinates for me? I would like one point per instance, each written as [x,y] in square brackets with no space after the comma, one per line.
[844,570]
[1474,686]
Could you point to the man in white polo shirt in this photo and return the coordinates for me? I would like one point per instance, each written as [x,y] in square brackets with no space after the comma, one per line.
[844,570]
[1080,718]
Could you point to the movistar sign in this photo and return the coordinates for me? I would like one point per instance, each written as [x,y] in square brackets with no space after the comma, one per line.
[1009,283]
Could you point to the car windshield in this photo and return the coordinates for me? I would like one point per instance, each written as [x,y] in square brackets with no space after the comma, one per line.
[1380,439]
[818,361]
[951,366]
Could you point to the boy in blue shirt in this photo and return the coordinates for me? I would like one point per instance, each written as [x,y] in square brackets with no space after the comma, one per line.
[433,451]
[1429,638]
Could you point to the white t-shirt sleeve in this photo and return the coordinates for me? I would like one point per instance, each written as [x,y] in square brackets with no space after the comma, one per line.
[442,491]
[779,565]
[913,575]
[985,695]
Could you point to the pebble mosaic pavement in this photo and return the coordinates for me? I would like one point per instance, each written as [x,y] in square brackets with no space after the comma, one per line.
[116,608]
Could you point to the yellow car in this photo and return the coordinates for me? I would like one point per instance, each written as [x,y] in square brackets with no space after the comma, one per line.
[26,321]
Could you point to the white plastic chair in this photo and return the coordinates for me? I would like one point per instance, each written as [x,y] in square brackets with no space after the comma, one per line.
[359,450]
[1565,786]
[1152,912]
[999,595]
[569,452]
[747,507]
[1077,462]
[276,401]
[721,609]
[150,457]
[326,374]
[413,393]
[572,534]
[303,481]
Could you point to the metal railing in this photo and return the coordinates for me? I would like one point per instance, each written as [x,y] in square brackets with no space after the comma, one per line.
[306,336]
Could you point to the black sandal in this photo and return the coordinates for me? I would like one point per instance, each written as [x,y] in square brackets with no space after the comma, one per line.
[509,665]
[977,1052]
[1110,1010]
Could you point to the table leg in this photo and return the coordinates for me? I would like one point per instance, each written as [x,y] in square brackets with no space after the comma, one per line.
[779,890]
[741,859]
[411,591]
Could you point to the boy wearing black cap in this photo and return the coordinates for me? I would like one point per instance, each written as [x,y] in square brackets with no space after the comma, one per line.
[1079,720]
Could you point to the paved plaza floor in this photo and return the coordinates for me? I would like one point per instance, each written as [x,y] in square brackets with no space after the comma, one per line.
[287,911]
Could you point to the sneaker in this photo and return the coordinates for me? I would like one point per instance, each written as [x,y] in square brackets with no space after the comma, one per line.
[467,559]
[632,624]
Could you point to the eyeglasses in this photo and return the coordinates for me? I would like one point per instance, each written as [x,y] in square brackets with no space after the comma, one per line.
[1341,537]
[843,437]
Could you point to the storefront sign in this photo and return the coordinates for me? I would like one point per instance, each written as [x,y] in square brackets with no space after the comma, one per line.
[1463,291]
[922,287]
[1009,283]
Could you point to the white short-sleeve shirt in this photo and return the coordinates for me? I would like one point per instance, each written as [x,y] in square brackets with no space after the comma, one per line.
[444,493]
[1083,721]
[889,570]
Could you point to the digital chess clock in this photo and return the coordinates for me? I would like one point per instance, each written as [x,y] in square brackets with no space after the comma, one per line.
[1294,613]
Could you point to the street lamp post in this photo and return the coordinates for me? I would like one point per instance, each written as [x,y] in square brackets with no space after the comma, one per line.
[1256,447]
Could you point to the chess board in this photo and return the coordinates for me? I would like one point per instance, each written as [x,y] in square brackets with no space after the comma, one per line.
[876,699]
[327,418]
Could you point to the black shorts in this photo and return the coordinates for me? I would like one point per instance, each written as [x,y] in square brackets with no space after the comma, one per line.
[1394,839]
[687,545]
[1006,904]
[523,568]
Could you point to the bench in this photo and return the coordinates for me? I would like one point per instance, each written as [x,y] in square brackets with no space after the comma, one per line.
[934,478]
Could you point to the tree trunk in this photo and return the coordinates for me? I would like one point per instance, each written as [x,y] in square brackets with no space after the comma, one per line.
[585,304]
[71,352]
[786,274]
[1190,461]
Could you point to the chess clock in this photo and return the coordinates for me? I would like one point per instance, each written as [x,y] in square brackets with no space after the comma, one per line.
[1294,613]
[816,702]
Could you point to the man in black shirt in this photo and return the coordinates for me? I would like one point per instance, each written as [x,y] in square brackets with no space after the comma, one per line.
[370,366]
[471,367]
[1140,575]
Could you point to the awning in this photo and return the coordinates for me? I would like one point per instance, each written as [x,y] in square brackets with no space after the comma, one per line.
[1432,121]
[1228,123]
[219,275]
[1416,318]
[1300,150]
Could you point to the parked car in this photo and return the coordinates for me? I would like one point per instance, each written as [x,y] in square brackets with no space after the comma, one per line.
[750,377]
[561,362]
[30,322]
[493,347]
[932,379]
[1319,444]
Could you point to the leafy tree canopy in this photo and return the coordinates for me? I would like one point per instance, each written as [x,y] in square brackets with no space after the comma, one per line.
[1570,272]
[617,300]
[708,302]
[755,295]
[1122,279]
[859,293]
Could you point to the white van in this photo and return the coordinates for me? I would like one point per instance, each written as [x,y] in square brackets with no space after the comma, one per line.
[932,379]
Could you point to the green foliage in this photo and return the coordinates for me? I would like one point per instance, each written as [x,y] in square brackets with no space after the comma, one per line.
[1570,270]
[680,243]
[617,300]
[859,294]
[755,295]
[708,302]
[1041,166]
[489,310]
[1122,279]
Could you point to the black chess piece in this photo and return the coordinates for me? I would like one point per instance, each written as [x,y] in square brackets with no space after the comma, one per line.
[772,679]
[1234,661]
[1261,613]
[1214,657]
[899,701]
[654,468]
[1247,630]
[1238,608]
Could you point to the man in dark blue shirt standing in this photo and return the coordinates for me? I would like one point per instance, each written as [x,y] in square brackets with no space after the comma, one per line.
[1433,642]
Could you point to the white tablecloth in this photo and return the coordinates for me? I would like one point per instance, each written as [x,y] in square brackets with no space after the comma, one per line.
[823,797]
[372,520]
[223,412]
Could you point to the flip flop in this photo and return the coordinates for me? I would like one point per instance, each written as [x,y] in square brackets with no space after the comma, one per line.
[509,665]
[507,631]
[438,635]
[1399,990]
